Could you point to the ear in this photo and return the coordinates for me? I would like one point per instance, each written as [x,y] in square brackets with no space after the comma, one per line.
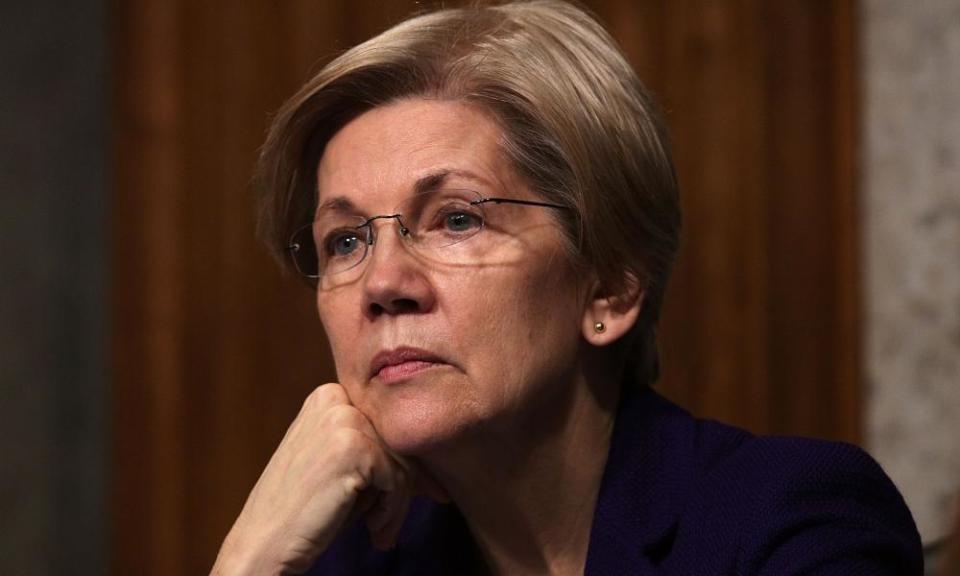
[607,317]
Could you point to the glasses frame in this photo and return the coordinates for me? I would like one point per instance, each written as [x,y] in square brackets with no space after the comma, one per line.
[368,239]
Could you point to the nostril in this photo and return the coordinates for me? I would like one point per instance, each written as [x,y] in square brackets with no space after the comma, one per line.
[395,306]
[401,305]
[375,309]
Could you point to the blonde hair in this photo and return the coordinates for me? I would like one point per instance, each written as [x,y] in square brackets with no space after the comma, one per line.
[578,126]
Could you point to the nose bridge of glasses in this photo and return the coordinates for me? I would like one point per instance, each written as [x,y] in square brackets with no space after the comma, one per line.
[371,238]
[405,236]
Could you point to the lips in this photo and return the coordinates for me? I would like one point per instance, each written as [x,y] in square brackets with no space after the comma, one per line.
[402,362]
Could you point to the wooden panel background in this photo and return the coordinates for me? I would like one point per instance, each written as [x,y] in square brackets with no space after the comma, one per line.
[214,351]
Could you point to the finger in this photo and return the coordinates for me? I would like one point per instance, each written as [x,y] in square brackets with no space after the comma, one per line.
[364,504]
[424,483]
[382,470]
[378,515]
[319,401]
[367,500]
[325,396]
[386,518]
[405,470]
[387,505]
[348,416]
[368,472]
[392,529]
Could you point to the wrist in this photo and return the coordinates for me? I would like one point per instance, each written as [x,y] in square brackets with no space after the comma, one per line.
[242,556]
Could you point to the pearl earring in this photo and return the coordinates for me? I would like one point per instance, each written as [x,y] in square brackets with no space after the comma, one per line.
[599,327]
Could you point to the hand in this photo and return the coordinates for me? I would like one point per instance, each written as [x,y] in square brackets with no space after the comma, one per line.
[330,467]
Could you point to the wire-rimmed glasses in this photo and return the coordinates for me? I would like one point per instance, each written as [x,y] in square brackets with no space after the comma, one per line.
[429,222]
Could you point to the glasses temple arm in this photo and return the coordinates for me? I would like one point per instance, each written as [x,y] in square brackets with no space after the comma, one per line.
[523,202]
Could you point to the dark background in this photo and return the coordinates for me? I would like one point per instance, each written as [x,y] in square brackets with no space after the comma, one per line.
[54,205]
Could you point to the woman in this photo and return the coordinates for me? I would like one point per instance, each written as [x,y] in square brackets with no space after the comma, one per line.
[485,202]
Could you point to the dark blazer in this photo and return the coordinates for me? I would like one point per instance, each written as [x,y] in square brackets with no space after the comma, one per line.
[682,496]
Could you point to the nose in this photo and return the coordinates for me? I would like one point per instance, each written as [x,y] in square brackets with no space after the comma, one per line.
[394,281]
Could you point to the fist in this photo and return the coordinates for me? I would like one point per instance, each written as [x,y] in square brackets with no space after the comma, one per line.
[330,467]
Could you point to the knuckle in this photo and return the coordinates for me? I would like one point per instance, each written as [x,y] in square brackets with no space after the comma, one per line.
[345,415]
[326,394]
[354,483]
[349,442]
[357,461]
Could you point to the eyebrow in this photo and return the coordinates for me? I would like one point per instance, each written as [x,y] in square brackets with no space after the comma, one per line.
[432,181]
[336,204]
[429,182]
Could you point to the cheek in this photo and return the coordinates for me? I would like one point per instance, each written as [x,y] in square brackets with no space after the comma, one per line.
[338,317]
[519,324]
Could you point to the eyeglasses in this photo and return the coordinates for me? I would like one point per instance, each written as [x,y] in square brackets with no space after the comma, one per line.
[436,224]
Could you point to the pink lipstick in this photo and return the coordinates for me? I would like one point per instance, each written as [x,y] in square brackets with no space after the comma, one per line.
[391,366]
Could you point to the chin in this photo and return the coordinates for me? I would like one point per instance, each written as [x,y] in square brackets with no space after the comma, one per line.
[414,418]
[419,434]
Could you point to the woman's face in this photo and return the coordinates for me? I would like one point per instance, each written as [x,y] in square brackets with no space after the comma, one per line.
[431,350]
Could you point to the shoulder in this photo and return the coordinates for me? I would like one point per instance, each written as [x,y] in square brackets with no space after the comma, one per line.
[690,496]
[793,505]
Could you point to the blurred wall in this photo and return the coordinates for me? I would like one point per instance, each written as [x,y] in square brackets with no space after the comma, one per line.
[53,472]
[910,54]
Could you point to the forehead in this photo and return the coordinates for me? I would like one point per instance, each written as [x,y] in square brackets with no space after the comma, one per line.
[383,155]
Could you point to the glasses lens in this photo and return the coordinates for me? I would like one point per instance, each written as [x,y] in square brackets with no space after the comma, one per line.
[303,252]
[431,223]
[442,218]
[339,243]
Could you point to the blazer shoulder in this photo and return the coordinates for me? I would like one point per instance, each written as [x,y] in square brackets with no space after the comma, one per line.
[800,504]
[784,461]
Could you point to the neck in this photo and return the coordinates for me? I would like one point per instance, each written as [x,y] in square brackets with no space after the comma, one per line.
[528,487]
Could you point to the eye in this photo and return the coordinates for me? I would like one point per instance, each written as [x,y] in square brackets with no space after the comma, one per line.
[342,243]
[445,218]
[461,221]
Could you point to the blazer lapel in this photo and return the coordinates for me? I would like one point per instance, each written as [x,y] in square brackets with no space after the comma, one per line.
[649,470]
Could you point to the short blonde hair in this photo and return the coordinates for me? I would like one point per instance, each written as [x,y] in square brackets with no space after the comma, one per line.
[578,126]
